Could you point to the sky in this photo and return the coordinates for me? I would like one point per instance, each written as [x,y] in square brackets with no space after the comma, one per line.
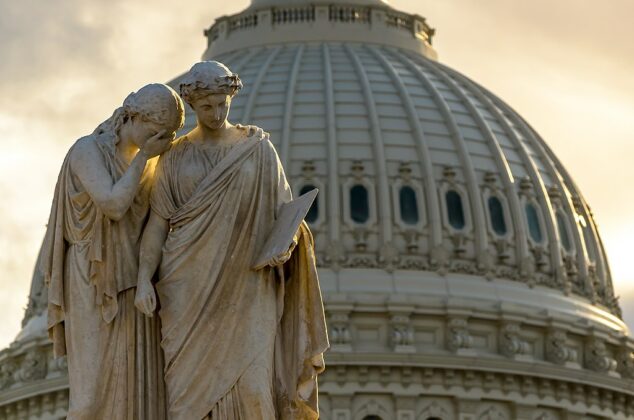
[565,65]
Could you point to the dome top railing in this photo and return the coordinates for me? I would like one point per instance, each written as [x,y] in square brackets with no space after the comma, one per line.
[320,22]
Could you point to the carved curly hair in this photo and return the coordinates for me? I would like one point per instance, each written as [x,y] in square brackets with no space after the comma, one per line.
[206,78]
[156,102]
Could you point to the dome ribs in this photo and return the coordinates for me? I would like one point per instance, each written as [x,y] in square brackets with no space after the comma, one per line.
[567,203]
[385,213]
[503,168]
[567,185]
[389,107]
[553,232]
[333,155]
[584,210]
[288,111]
[238,68]
[479,223]
[248,108]
[229,58]
[534,174]
[435,221]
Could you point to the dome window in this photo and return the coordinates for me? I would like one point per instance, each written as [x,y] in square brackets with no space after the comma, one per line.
[408,205]
[496,214]
[359,204]
[564,234]
[534,225]
[313,214]
[455,210]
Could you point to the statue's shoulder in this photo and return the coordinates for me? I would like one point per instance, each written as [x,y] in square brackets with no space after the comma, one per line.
[84,148]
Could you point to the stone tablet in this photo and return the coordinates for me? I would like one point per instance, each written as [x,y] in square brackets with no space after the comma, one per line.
[289,219]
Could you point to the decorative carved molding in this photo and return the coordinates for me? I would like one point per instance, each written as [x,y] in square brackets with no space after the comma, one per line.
[402,334]
[33,367]
[542,392]
[7,370]
[596,356]
[625,362]
[557,349]
[510,343]
[339,334]
[458,335]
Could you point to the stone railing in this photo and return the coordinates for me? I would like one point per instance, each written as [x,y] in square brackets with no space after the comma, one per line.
[243,22]
[349,14]
[352,14]
[399,20]
[293,15]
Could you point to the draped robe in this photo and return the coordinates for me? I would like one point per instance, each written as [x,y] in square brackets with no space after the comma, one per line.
[238,343]
[90,265]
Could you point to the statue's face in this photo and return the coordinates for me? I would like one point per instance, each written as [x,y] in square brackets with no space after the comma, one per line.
[212,110]
[139,130]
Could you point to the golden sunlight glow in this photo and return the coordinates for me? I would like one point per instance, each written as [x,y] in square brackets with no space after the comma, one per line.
[66,66]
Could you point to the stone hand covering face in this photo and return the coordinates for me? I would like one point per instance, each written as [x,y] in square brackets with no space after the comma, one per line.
[238,343]
[90,265]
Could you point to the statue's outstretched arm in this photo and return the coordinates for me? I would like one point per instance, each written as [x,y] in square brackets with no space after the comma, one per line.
[149,259]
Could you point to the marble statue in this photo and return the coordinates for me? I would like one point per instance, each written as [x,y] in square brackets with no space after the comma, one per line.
[239,343]
[89,260]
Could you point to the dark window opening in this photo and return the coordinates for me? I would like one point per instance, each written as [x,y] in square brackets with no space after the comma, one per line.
[408,205]
[534,226]
[313,213]
[455,211]
[564,236]
[359,204]
[496,213]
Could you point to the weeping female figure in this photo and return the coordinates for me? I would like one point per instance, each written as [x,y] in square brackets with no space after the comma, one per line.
[89,260]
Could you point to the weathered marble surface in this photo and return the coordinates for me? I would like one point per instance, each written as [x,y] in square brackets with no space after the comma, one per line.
[89,260]
[238,343]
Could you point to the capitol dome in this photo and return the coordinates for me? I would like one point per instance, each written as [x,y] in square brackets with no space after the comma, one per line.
[463,274]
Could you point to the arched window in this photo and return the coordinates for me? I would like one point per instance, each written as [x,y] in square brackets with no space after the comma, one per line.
[408,205]
[564,235]
[313,213]
[359,204]
[496,213]
[455,211]
[534,225]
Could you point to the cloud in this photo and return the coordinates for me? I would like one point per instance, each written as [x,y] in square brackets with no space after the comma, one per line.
[66,65]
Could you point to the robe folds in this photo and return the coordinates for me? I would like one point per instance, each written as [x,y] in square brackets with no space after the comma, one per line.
[89,264]
[238,343]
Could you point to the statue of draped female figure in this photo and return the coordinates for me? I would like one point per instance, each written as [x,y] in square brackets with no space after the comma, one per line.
[89,261]
[239,343]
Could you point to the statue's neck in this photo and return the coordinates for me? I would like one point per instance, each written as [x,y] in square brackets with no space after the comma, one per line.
[206,135]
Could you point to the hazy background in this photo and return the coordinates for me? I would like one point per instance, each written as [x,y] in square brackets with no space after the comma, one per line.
[567,66]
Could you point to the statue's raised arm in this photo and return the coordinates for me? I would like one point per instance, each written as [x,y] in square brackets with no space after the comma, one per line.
[89,260]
